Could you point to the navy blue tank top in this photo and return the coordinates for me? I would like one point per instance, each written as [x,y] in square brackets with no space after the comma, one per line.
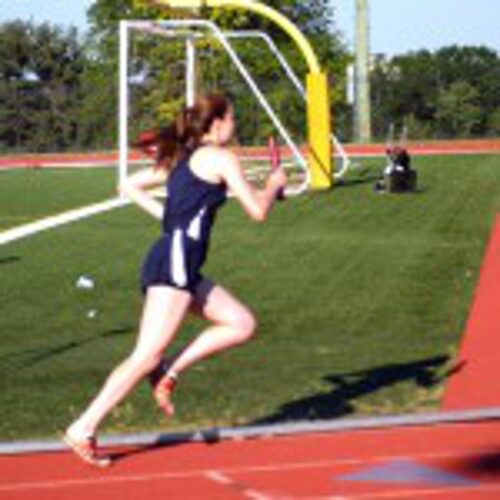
[192,202]
[190,210]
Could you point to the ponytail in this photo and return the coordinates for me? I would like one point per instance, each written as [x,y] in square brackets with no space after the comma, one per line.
[168,145]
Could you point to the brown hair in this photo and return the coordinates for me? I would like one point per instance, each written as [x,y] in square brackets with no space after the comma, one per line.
[179,139]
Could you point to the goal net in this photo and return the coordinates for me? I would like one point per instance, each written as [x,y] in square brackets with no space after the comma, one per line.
[164,65]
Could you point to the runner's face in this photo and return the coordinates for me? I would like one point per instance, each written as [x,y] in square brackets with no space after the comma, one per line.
[225,127]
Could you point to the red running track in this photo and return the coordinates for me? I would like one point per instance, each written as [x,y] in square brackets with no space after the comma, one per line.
[475,382]
[476,146]
[452,461]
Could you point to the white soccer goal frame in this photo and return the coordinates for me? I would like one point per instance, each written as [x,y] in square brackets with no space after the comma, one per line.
[191,27]
[345,162]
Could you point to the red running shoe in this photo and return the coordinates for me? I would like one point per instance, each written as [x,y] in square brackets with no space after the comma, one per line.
[163,383]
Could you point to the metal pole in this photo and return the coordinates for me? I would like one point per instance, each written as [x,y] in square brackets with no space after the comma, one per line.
[362,122]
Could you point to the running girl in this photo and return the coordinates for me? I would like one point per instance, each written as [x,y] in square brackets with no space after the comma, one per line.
[193,159]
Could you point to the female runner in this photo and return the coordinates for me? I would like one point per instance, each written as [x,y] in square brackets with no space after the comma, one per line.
[195,162]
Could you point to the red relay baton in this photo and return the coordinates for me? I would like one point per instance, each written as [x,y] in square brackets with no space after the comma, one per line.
[275,155]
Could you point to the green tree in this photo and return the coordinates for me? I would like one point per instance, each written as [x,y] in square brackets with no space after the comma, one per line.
[40,69]
[452,92]
[403,87]
[480,68]
[96,114]
[57,63]
[458,111]
[15,48]
[314,18]
[494,122]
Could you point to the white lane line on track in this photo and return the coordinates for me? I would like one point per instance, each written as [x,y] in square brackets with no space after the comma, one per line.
[91,481]
[225,480]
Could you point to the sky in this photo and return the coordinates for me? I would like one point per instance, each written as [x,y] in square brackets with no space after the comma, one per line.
[397,26]
[63,12]
[400,26]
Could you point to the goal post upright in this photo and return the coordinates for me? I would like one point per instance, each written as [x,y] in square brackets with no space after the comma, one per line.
[190,71]
[318,103]
[123,108]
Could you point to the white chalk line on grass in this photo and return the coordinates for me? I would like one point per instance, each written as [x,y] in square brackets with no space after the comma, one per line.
[16,233]
[219,474]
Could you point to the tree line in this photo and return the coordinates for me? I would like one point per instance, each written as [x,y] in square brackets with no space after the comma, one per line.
[453,92]
[59,89]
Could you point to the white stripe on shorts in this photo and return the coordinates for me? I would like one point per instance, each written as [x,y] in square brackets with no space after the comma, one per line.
[178,263]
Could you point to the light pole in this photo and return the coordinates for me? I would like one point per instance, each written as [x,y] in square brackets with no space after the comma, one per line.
[362,118]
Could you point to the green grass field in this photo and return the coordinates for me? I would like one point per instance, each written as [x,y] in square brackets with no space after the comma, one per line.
[362,300]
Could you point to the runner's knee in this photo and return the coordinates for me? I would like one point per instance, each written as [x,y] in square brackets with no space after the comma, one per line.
[145,363]
[244,324]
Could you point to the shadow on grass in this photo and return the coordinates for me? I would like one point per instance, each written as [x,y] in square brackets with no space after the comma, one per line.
[362,178]
[347,388]
[372,179]
[16,361]
[9,259]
